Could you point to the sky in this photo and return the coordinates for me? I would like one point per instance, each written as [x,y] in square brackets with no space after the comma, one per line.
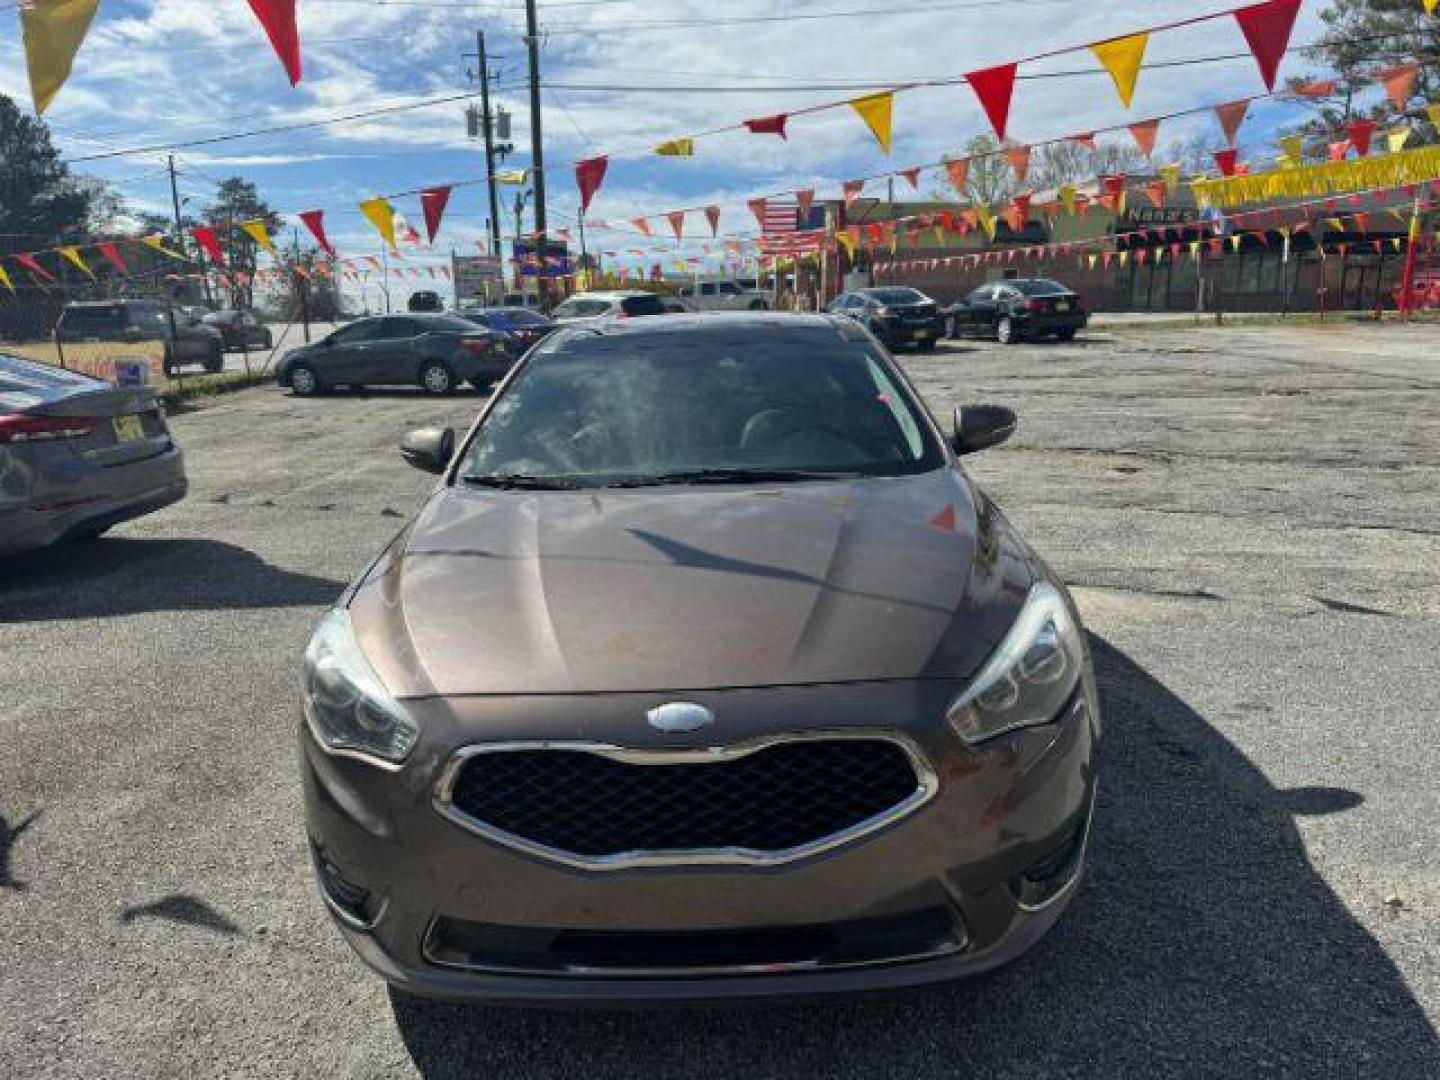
[623,76]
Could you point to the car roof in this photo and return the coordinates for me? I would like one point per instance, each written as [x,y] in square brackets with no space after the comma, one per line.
[709,321]
[611,294]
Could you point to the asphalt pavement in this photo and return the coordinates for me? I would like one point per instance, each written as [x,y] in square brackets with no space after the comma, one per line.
[1248,518]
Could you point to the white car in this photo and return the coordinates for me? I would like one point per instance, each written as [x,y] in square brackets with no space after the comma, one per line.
[723,296]
[597,307]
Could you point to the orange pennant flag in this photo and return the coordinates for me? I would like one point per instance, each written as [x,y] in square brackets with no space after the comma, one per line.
[1019,158]
[677,222]
[1231,116]
[1122,58]
[1399,84]
[959,173]
[1144,134]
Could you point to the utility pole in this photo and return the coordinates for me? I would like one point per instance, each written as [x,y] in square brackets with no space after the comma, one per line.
[487,127]
[537,142]
[175,204]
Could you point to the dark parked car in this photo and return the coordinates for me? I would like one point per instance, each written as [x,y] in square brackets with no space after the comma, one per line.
[525,326]
[189,342]
[1011,311]
[78,455]
[426,301]
[241,330]
[434,352]
[896,316]
[705,671]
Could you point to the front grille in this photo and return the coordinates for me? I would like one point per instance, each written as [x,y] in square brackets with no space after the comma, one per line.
[599,804]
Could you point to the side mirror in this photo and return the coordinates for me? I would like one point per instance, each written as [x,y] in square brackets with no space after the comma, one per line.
[429,449]
[978,427]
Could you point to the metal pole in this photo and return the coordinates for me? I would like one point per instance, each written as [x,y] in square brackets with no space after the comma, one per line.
[385,275]
[488,129]
[537,143]
[174,345]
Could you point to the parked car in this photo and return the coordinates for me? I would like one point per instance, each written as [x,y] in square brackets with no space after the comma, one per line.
[426,301]
[598,307]
[78,455]
[705,671]
[723,296]
[240,330]
[187,340]
[677,305]
[525,326]
[897,316]
[434,352]
[1012,311]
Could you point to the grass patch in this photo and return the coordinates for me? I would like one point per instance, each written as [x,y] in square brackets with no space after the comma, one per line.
[1240,318]
[191,391]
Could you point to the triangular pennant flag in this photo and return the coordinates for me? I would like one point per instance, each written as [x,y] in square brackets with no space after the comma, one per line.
[994,87]
[1067,197]
[112,255]
[256,229]
[315,221]
[677,148]
[1225,161]
[804,200]
[432,204]
[1017,215]
[589,175]
[1019,159]
[53,31]
[958,172]
[71,255]
[381,214]
[157,243]
[768,125]
[1397,137]
[278,19]
[642,224]
[912,175]
[1399,84]
[1316,89]
[32,264]
[5,280]
[1170,174]
[851,190]
[1293,147]
[1155,192]
[1231,116]
[1085,139]
[877,111]
[1338,150]
[677,223]
[1360,132]
[1122,58]
[757,207]
[1144,133]
[205,237]
[1267,29]
[712,215]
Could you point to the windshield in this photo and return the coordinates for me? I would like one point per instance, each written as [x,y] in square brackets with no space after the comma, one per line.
[1040,287]
[898,296]
[649,304]
[519,317]
[722,406]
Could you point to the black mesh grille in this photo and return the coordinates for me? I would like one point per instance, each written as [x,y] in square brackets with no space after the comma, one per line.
[783,796]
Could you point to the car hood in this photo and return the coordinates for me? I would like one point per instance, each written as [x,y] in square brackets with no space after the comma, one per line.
[691,588]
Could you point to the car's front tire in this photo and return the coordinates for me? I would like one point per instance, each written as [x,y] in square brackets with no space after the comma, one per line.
[759,305]
[304,382]
[436,378]
[1065,335]
[267,340]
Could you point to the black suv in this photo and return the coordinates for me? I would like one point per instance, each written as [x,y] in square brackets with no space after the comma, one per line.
[187,340]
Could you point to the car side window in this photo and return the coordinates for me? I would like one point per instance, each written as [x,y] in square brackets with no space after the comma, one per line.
[397,328]
[707,289]
[980,294]
[360,331]
[729,288]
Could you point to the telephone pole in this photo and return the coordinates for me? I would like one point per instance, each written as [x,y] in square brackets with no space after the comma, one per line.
[487,127]
[537,144]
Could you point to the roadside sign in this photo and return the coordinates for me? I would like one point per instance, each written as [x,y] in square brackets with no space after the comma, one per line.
[476,276]
[131,371]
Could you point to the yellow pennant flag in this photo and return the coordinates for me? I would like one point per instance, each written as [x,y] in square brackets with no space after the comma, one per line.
[1396,138]
[1293,147]
[261,235]
[876,110]
[677,148]
[5,279]
[1235,241]
[157,242]
[53,31]
[1430,6]
[382,215]
[72,255]
[987,219]
[1433,112]
[513,177]
[1067,197]
[1122,58]
[848,242]
[1171,175]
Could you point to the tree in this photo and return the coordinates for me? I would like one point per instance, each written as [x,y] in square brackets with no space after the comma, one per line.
[1360,38]
[237,201]
[41,203]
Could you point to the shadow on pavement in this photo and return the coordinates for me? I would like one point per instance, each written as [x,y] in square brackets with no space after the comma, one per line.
[1203,944]
[181,908]
[122,576]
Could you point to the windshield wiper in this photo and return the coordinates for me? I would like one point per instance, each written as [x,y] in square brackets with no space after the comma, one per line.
[520,482]
[732,476]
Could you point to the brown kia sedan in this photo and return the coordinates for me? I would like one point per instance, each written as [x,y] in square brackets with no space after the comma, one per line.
[704,672]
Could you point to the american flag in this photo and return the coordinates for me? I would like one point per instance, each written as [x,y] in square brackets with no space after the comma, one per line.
[780,218]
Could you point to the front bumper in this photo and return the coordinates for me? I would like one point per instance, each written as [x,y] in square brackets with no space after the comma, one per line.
[998,811]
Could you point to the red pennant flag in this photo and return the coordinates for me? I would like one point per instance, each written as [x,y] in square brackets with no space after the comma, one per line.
[1317,89]
[432,204]
[1360,132]
[712,215]
[1144,133]
[1225,161]
[1399,84]
[757,207]
[912,175]
[1085,139]
[278,19]
[112,254]
[994,86]
[1113,186]
[768,125]
[315,221]
[33,265]
[642,224]
[1155,192]
[677,222]
[1017,216]
[1362,222]
[1267,29]
[1231,116]
[1338,150]
[852,189]
[205,237]
[589,175]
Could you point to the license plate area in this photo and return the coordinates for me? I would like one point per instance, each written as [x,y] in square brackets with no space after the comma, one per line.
[128,429]
[1062,305]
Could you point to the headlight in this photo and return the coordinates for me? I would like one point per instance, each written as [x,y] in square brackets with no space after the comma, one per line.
[884,312]
[346,704]
[1030,677]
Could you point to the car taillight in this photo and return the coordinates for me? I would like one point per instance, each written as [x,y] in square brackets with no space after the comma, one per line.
[475,345]
[19,428]
[1034,305]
